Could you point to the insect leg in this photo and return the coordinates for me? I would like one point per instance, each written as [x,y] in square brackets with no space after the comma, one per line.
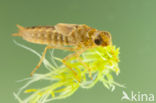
[41,59]
[43,55]
[77,55]
[86,66]
[64,61]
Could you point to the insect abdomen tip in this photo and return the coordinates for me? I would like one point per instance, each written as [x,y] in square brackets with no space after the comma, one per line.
[19,26]
[16,34]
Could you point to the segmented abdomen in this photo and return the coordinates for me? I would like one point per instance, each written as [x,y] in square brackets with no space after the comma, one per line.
[45,35]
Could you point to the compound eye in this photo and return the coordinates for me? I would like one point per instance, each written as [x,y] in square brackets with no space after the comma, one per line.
[97,41]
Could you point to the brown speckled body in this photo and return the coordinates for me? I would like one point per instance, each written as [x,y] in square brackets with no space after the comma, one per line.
[44,35]
[64,34]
